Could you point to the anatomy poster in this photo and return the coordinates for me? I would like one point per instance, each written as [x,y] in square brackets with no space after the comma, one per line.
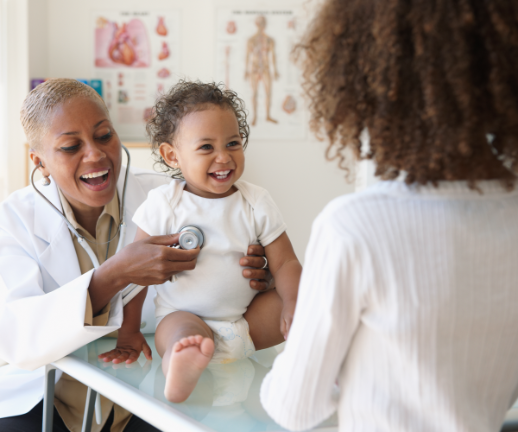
[253,58]
[136,54]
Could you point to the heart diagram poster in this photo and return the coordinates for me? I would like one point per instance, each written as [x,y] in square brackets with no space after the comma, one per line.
[253,58]
[136,55]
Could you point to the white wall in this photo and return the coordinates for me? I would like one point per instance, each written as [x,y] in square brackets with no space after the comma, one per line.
[38,38]
[14,80]
[295,172]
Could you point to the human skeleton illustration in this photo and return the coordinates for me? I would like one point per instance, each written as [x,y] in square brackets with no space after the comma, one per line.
[260,63]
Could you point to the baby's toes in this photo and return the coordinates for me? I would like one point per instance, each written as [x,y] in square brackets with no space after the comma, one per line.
[207,347]
[193,340]
[197,339]
[186,341]
[178,346]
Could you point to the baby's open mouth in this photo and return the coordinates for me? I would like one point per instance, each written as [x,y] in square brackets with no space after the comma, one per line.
[221,175]
[95,178]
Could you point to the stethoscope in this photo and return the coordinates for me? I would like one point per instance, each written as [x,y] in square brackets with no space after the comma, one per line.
[190,238]
[131,290]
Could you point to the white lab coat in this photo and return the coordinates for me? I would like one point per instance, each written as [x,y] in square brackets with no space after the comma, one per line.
[42,292]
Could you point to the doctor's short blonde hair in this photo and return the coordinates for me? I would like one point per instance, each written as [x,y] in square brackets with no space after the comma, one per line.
[41,101]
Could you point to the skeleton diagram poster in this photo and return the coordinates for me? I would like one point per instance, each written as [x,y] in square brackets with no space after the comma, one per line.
[136,55]
[253,58]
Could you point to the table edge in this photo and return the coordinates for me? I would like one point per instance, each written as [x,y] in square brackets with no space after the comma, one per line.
[152,410]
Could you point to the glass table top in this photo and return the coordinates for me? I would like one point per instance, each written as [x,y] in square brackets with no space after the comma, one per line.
[226,398]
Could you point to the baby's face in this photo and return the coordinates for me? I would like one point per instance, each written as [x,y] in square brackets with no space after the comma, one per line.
[209,151]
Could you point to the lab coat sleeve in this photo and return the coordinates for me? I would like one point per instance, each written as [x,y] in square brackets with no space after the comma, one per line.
[300,392]
[39,327]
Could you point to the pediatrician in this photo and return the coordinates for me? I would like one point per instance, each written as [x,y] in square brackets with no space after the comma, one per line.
[52,300]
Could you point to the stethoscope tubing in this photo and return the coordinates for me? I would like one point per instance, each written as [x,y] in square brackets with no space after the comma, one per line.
[131,290]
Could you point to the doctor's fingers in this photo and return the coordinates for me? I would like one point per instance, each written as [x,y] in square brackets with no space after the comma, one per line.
[181,256]
[256,250]
[257,262]
[254,273]
[166,240]
[259,285]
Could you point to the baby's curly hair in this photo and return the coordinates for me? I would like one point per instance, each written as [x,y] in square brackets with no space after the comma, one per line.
[433,81]
[184,98]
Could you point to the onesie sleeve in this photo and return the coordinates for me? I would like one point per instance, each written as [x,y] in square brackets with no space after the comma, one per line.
[154,216]
[269,223]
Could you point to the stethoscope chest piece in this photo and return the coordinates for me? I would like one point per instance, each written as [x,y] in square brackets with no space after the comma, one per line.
[190,237]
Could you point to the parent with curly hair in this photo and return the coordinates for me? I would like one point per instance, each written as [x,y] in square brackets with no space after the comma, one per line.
[408,297]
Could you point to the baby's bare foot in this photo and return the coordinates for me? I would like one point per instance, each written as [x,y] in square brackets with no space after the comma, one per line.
[189,358]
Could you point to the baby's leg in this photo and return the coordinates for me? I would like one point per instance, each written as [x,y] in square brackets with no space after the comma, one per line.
[186,345]
[264,316]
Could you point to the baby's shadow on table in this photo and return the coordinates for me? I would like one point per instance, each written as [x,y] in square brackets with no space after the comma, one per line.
[224,392]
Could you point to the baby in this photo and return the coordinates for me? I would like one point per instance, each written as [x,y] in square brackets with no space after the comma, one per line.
[202,132]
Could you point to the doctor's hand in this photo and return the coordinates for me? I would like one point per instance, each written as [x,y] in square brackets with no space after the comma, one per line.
[151,261]
[128,349]
[261,279]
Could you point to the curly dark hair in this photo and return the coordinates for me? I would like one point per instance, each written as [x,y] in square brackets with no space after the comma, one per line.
[433,81]
[184,98]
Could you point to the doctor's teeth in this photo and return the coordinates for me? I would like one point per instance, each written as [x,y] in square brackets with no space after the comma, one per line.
[95,174]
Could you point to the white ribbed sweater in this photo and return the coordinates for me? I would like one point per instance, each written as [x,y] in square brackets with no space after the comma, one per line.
[409,297]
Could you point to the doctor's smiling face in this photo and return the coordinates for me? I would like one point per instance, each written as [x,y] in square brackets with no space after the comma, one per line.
[82,152]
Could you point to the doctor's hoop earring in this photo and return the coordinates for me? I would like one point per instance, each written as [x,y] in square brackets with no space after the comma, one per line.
[46,180]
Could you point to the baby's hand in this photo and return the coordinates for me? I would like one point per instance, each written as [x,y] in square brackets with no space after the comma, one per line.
[287,313]
[128,349]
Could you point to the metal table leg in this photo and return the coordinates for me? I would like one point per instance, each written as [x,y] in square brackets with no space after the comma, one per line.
[89,410]
[48,398]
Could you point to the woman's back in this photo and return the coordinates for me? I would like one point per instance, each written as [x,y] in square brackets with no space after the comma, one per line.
[410,290]
[439,269]
[421,300]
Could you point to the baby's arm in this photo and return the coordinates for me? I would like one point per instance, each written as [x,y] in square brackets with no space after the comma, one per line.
[286,270]
[130,341]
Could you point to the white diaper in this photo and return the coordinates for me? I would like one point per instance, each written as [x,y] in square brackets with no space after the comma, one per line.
[231,339]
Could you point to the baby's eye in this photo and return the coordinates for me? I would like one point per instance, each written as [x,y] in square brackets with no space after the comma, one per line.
[233,143]
[206,147]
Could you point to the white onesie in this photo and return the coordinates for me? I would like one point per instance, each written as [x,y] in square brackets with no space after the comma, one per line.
[215,290]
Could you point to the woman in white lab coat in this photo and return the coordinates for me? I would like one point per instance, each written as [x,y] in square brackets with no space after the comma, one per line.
[48,308]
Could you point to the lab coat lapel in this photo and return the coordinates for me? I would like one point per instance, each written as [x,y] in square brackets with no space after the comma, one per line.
[135,196]
[57,255]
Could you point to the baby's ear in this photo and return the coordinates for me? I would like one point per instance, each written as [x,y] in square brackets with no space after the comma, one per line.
[168,153]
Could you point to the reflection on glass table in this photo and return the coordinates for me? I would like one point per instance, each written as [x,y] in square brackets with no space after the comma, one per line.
[226,398]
